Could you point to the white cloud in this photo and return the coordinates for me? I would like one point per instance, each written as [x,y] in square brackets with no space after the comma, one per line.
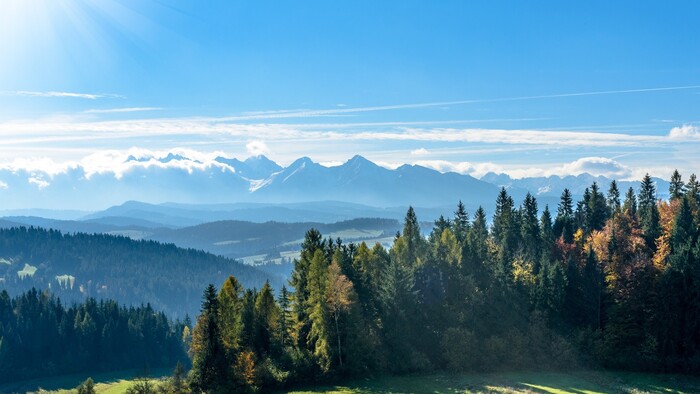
[121,162]
[89,96]
[3,185]
[420,152]
[684,132]
[121,110]
[34,132]
[592,165]
[596,166]
[333,163]
[38,181]
[461,167]
[257,147]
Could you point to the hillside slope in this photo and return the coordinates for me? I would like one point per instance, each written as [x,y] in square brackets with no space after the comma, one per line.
[132,272]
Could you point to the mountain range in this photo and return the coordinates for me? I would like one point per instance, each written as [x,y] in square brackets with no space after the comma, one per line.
[259,189]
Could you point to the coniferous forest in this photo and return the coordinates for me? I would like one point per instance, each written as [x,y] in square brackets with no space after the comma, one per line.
[610,281]
[39,336]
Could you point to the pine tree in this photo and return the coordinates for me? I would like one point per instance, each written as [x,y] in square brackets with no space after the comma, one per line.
[614,199]
[266,319]
[683,231]
[630,205]
[319,334]
[178,379]
[676,188]
[87,387]
[530,228]
[564,222]
[648,211]
[230,309]
[441,224]
[209,372]
[285,318]
[415,244]
[693,189]
[547,232]
[461,223]
[596,212]
[313,241]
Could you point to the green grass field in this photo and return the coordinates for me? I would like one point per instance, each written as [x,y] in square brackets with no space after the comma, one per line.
[556,383]
[105,383]
[527,382]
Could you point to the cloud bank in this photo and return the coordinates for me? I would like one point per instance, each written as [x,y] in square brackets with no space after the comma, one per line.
[49,94]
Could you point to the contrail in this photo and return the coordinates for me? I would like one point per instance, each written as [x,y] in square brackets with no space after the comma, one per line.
[338,111]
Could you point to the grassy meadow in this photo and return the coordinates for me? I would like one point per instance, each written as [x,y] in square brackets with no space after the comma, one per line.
[105,383]
[526,382]
[582,382]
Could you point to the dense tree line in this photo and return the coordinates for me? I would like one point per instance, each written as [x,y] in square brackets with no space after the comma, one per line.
[606,281]
[39,336]
[76,266]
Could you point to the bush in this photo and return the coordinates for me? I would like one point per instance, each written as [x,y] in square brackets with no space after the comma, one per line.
[460,349]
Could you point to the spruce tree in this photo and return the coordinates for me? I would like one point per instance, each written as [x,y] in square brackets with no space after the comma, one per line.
[596,212]
[230,309]
[530,228]
[676,188]
[461,223]
[209,371]
[285,317]
[614,199]
[547,232]
[693,189]
[319,334]
[563,224]
[648,211]
[630,205]
[266,319]
[415,244]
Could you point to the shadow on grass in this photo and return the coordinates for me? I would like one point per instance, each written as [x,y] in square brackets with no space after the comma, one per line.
[580,382]
[68,382]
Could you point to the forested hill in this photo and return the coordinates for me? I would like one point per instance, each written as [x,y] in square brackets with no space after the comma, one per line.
[105,266]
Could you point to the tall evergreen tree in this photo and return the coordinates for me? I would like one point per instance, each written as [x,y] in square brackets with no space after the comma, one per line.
[209,371]
[648,211]
[596,212]
[413,239]
[461,223]
[564,222]
[630,204]
[676,187]
[285,317]
[230,309]
[693,189]
[530,228]
[614,199]
[266,318]
[320,332]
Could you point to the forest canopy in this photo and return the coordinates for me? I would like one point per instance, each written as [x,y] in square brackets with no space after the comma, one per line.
[610,281]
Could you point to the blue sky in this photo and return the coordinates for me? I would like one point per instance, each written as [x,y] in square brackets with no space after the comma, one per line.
[528,88]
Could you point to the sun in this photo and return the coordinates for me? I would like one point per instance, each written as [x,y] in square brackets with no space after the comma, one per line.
[58,35]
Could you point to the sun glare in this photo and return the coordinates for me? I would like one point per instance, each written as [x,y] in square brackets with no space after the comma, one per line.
[38,34]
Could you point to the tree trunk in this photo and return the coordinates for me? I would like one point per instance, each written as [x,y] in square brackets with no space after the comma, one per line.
[337,335]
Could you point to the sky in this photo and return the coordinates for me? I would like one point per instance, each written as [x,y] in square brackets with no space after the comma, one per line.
[525,88]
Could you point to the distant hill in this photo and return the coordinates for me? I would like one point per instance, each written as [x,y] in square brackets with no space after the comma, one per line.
[229,238]
[553,186]
[104,266]
[175,215]
[239,239]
